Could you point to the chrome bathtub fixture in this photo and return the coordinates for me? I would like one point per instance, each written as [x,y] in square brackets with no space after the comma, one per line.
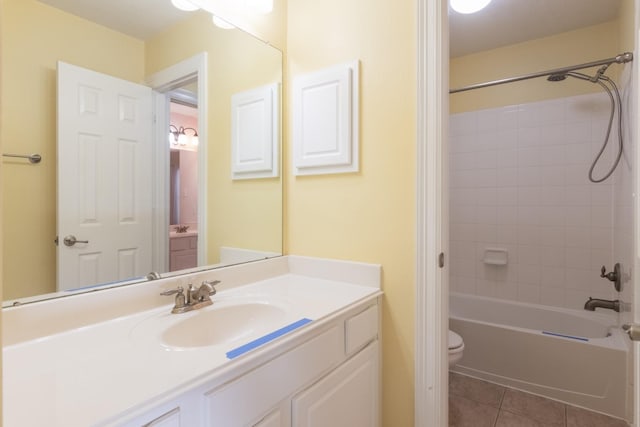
[614,276]
[194,298]
[594,303]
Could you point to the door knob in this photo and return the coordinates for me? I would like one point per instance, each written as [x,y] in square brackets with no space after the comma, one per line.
[633,331]
[71,240]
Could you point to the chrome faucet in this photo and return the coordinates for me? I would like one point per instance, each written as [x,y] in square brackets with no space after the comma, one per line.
[594,303]
[194,298]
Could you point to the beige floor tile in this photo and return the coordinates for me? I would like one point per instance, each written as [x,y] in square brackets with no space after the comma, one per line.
[476,390]
[508,419]
[467,413]
[538,408]
[577,417]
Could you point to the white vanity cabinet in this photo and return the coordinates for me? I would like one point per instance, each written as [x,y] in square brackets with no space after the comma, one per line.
[183,252]
[330,378]
[346,397]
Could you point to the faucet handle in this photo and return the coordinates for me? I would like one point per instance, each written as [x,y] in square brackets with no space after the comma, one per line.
[179,290]
[181,300]
[211,284]
[614,276]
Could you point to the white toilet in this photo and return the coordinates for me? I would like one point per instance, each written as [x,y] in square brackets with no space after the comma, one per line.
[456,347]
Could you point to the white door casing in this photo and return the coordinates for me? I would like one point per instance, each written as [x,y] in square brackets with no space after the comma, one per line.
[104,178]
[166,80]
[635,347]
[432,301]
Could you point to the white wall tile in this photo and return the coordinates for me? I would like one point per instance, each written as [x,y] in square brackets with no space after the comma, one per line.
[506,234]
[506,139]
[578,216]
[552,296]
[486,196]
[462,232]
[506,177]
[519,181]
[528,293]
[507,215]
[577,279]
[463,123]
[577,153]
[578,237]
[577,195]
[552,257]
[507,196]
[602,216]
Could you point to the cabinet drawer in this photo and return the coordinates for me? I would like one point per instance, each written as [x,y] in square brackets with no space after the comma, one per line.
[254,394]
[361,329]
[179,243]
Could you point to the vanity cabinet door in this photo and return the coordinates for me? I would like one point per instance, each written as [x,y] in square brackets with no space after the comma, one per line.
[347,397]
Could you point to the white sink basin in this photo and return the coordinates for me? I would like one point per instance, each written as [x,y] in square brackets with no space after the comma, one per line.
[221,323]
[218,326]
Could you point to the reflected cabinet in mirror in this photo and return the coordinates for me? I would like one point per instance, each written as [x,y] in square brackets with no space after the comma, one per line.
[159,137]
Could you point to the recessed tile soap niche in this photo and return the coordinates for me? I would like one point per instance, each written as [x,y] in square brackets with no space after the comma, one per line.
[325,121]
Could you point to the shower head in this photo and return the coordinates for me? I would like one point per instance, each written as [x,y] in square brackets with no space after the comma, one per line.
[558,77]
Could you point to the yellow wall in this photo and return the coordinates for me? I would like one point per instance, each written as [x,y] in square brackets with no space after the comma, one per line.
[574,47]
[2,43]
[34,37]
[367,216]
[626,20]
[240,213]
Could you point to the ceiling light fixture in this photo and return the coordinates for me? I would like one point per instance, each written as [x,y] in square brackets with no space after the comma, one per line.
[185,5]
[468,6]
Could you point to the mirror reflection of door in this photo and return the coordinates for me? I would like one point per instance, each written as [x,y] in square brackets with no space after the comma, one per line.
[104,206]
[183,179]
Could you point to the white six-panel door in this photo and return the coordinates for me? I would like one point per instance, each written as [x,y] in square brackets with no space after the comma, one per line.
[104,178]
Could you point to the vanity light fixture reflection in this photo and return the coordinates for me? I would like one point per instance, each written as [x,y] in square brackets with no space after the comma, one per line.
[185,5]
[178,136]
[260,7]
[468,6]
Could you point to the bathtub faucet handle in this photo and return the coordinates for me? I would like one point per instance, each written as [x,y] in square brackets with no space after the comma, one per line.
[613,276]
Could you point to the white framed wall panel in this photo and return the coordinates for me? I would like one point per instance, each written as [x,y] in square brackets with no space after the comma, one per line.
[326,121]
[255,118]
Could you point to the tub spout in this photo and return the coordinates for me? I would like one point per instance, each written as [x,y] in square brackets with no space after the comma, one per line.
[594,303]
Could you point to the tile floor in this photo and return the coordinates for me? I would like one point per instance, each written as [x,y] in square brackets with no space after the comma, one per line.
[476,403]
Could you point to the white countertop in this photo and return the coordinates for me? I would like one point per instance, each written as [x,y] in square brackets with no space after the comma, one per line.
[87,375]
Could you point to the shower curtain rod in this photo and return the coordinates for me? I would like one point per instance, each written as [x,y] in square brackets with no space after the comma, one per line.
[620,59]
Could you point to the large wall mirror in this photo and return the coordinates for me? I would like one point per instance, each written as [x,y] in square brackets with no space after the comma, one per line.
[192,208]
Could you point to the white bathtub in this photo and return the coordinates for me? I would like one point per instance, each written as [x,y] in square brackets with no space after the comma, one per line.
[575,357]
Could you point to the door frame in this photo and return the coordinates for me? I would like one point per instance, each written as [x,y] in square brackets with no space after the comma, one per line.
[432,288]
[635,280]
[163,82]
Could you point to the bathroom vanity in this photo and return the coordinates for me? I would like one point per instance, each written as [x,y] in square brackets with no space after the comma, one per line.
[289,341]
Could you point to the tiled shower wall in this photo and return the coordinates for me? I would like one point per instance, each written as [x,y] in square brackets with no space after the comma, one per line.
[518,181]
